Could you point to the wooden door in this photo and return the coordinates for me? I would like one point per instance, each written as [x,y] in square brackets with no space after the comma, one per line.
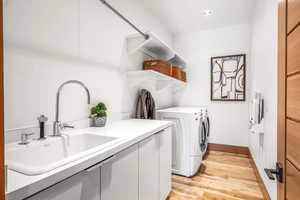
[289,98]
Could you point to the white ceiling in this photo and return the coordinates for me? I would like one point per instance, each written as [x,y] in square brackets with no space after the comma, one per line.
[187,15]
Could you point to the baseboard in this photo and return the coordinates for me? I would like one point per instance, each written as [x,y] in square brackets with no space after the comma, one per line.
[245,151]
[258,177]
[228,148]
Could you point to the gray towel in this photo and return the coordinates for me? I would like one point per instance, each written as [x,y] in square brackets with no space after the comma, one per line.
[145,108]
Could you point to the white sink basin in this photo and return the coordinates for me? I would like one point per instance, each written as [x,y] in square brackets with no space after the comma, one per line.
[42,156]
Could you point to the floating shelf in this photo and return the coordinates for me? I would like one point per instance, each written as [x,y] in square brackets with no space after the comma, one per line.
[155,48]
[161,79]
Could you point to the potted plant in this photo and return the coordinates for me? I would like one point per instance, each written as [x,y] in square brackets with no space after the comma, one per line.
[98,115]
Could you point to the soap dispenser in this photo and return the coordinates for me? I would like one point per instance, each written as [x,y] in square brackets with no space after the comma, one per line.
[42,119]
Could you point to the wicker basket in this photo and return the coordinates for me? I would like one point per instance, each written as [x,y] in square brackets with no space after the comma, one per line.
[158,65]
[183,76]
[177,73]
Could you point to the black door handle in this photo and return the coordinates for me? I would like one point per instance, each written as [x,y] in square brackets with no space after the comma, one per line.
[278,172]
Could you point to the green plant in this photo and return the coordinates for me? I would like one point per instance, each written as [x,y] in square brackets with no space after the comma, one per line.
[99,110]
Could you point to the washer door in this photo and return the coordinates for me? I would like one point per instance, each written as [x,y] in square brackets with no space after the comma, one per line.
[207,126]
[202,137]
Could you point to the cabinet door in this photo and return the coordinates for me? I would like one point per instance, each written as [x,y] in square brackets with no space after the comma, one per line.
[165,163]
[82,186]
[149,168]
[119,177]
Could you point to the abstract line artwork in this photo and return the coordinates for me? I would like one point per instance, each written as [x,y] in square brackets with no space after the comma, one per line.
[228,78]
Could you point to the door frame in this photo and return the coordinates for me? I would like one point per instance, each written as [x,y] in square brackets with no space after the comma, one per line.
[281,104]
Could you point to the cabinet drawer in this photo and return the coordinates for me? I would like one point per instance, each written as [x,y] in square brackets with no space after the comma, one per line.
[293,97]
[119,177]
[292,182]
[165,163]
[293,14]
[69,188]
[149,168]
[293,51]
[293,142]
[81,186]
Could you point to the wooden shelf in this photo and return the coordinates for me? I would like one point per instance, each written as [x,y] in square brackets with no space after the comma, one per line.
[155,48]
[164,80]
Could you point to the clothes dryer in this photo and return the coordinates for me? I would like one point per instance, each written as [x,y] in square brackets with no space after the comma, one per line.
[189,138]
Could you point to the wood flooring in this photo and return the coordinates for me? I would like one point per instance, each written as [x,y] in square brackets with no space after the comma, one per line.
[223,176]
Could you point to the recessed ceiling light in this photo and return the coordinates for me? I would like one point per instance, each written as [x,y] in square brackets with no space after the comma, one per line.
[207,12]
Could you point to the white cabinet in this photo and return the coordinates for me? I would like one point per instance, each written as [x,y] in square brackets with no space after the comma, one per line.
[119,177]
[140,172]
[165,163]
[149,168]
[155,166]
[82,186]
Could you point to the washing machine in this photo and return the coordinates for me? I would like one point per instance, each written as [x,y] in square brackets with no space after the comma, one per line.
[205,119]
[189,137]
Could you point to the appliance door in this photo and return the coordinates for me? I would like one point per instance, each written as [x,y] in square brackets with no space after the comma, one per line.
[202,137]
[207,126]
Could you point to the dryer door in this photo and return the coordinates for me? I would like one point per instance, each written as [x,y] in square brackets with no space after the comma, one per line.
[202,137]
[207,126]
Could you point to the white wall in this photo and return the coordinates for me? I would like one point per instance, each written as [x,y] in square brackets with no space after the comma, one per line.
[229,119]
[264,79]
[51,41]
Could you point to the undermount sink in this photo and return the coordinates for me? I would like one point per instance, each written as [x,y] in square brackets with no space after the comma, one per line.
[39,157]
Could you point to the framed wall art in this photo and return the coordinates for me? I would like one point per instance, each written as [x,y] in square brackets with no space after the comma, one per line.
[228,78]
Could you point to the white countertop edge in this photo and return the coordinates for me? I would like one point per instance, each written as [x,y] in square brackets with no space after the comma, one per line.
[61,173]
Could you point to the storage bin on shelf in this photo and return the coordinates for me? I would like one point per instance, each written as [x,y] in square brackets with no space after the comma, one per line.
[158,65]
[183,76]
[177,73]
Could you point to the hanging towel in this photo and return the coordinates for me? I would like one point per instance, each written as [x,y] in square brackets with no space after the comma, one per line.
[145,108]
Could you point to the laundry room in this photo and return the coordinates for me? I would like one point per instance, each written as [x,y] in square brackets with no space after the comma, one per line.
[150,100]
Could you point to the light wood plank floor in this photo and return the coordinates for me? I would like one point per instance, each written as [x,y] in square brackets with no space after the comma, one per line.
[223,176]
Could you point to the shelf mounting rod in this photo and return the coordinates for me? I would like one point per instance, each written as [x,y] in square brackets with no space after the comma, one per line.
[146,36]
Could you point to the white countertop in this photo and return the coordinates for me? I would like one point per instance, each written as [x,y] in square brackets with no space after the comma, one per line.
[129,132]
